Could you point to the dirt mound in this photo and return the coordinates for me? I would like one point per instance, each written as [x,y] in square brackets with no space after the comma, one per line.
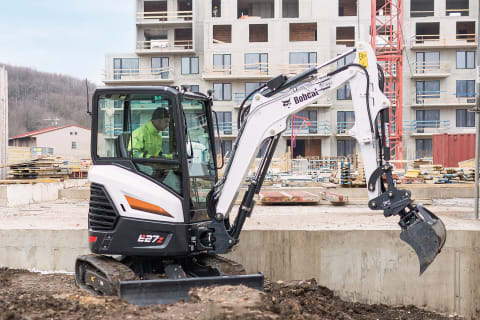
[25,295]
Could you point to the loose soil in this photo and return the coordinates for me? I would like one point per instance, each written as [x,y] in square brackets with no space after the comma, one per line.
[26,295]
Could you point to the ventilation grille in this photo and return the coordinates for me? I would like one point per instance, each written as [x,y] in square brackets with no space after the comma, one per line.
[102,215]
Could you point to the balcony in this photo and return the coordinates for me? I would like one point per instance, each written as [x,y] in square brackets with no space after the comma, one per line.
[426,127]
[258,71]
[165,18]
[226,129]
[437,41]
[428,69]
[343,128]
[441,99]
[139,76]
[164,46]
[308,128]
[238,97]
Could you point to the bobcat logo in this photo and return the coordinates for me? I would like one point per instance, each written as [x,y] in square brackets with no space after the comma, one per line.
[286,103]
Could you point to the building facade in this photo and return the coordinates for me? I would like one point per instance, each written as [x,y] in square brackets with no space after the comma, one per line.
[234,46]
[3,122]
[70,142]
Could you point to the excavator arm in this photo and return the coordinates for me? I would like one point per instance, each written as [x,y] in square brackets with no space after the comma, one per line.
[265,120]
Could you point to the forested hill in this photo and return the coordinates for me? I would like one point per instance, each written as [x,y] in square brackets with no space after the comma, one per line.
[34,97]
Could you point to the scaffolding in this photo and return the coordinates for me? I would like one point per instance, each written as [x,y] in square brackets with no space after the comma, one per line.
[387,39]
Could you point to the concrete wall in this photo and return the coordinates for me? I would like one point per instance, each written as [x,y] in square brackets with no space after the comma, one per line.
[61,142]
[3,122]
[12,195]
[371,266]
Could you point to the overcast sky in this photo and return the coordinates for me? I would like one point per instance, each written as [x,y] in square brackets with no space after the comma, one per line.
[65,36]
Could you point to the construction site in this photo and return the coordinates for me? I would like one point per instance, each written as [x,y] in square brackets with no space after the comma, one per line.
[273,159]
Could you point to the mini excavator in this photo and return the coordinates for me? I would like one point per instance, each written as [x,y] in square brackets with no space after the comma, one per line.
[158,222]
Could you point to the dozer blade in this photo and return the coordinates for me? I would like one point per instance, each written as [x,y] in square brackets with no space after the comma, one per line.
[426,236]
[165,291]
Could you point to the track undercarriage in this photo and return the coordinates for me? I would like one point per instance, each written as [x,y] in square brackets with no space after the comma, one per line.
[148,280]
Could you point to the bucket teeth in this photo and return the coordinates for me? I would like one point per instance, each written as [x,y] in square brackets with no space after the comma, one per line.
[426,236]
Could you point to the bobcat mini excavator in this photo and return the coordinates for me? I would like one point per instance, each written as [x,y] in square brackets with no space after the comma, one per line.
[157,222]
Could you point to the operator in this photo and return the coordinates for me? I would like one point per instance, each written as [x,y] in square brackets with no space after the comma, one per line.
[147,140]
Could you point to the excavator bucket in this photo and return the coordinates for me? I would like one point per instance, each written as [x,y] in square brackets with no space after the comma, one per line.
[166,291]
[426,236]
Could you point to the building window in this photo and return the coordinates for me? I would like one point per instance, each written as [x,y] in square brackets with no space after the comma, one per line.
[258,33]
[423,148]
[347,8]
[223,91]
[222,33]
[124,66]
[224,121]
[427,90]
[465,118]
[303,59]
[466,89]
[457,8]
[345,148]
[290,8]
[343,93]
[264,9]
[74,145]
[256,61]
[189,65]
[421,8]
[160,67]
[222,63]
[303,32]
[193,87]
[216,8]
[345,121]
[346,36]
[465,59]
[427,31]
[427,61]
[301,118]
[227,147]
[427,119]
[251,86]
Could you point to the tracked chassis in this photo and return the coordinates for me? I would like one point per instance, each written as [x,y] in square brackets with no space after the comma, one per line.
[147,281]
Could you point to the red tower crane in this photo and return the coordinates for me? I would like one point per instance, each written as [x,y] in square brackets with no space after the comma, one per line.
[387,39]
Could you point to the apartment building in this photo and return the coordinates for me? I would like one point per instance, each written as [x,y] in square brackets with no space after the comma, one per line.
[234,46]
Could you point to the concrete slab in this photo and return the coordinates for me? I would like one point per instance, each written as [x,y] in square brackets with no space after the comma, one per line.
[350,249]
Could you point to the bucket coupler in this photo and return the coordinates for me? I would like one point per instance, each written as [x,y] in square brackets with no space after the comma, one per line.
[421,228]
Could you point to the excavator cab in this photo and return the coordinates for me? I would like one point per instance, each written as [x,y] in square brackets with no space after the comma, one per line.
[126,135]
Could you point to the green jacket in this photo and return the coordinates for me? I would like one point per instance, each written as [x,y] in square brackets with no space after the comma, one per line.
[147,142]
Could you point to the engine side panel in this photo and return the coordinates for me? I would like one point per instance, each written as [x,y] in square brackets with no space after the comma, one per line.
[123,185]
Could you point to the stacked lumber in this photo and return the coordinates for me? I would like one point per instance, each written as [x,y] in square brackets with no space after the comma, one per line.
[42,168]
[18,154]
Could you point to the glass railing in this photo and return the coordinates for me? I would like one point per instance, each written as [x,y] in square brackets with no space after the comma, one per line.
[443,98]
[426,126]
[308,127]
[165,16]
[343,127]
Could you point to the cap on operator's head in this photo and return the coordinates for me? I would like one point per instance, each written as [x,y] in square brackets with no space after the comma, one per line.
[159,113]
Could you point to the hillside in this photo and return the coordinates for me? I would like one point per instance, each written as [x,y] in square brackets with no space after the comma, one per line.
[34,97]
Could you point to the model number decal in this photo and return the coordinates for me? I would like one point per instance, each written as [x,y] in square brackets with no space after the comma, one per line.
[150,238]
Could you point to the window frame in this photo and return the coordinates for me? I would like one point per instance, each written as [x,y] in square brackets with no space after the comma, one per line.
[190,64]
[259,66]
[223,84]
[468,117]
[223,55]
[465,59]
